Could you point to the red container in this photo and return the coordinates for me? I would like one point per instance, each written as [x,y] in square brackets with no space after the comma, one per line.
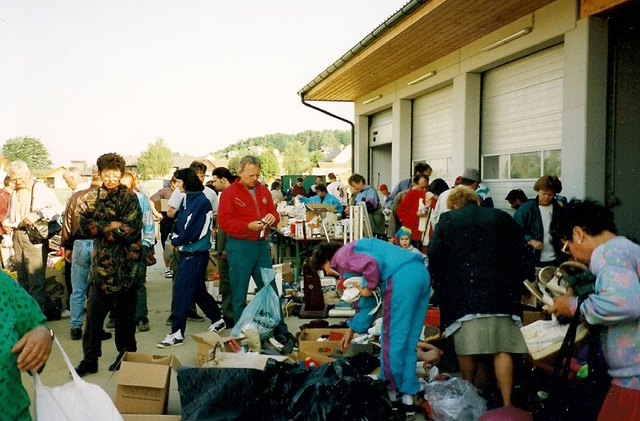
[433,317]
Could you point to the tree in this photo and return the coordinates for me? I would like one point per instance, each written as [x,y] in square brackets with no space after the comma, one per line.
[156,161]
[269,169]
[296,159]
[316,156]
[29,150]
[233,164]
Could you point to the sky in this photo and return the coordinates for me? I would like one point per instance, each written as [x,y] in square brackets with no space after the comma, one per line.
[88,77]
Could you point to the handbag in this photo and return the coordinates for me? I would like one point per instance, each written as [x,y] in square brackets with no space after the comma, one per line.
[150,257]
[41,231]
[76,400]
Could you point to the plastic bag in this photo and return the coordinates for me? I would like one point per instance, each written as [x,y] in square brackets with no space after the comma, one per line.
[454,399]
[263,312]
[76,400]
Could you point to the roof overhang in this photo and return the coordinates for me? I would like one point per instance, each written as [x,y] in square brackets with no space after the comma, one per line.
[418,34]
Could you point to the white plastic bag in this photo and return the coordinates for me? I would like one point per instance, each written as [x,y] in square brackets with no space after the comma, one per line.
[74,401]
[263,312]
[454,400]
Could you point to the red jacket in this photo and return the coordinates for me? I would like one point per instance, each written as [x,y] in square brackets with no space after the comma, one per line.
[407,212]
[238,208]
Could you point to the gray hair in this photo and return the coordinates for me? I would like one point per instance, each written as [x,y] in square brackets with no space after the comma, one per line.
[19,168]
[249,160]
[72,172]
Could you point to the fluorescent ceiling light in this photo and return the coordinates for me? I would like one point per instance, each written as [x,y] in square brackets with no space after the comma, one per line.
[503,41]
[423,77]
[370,100]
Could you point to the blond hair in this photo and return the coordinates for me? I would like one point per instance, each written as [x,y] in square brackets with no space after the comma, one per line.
[460,196]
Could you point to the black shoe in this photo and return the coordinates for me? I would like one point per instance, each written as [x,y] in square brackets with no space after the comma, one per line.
[104,336]
[116,364]
[87,367]
[111,324]
[195,317]
[143,325]
[230,323]
[76,334]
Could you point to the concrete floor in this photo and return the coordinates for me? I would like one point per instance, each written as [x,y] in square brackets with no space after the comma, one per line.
[159,300]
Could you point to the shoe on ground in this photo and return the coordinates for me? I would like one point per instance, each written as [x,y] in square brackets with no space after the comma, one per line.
[65,314]
[111,324]
[143,326]
[195,317]
[105,336]
[171,340]
[169,321]
[76,334]
[116,364]
[218,326]
[229,322]
[168,274]
[87,367]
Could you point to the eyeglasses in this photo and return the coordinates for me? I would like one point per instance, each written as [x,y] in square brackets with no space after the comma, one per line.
[565,247]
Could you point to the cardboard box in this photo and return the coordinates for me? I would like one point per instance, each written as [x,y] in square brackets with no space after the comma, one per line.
[143,383]
[529,317]
[162,205]
[309,341]
[317,358]
[285,270]
[206,342]
[244,360]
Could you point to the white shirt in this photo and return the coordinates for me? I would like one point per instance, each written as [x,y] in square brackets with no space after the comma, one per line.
[177,196]
[548,253]
[337,189]
[441,207]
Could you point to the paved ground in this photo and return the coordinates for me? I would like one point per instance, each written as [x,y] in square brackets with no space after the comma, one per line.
[159,300]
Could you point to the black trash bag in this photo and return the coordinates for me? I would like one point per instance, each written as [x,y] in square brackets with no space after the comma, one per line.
[209,394]
[283,381]
[53,292]
[364,363]
[338,391]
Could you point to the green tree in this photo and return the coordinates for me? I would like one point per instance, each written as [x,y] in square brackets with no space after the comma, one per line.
[233,164]
[156,161]
[316,156]
[296,159]
[29,150]
[269,169]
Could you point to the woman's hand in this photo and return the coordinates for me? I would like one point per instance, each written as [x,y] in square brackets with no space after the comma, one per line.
[33,349]
[346,340]
[535,244]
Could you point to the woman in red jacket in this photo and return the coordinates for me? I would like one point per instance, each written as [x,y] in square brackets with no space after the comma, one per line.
[409,210]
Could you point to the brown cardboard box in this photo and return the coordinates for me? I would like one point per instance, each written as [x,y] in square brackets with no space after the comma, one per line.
[205,342]
[318,358]
[143,383]
[529,317]
[285,270]
[309,341]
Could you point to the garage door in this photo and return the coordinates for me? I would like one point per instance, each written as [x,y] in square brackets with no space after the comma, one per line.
[522,122]
[432,131]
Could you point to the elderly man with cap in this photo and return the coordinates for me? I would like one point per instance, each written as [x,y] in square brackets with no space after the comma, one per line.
[471,179]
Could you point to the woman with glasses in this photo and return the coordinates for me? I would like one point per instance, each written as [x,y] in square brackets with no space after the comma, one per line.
[538,219]
[590,236]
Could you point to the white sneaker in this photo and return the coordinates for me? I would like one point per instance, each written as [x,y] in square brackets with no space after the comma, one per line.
[65,314]
[172,339]
[217,326]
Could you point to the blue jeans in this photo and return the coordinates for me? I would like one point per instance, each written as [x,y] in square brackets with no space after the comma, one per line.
[80,265]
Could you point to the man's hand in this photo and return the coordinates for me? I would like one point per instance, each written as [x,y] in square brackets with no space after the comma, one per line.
[564,305]
[346,340]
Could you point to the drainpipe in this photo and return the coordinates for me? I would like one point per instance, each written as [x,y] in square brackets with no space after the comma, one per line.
[353,127]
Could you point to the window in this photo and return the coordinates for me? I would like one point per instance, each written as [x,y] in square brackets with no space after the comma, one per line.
[522,165]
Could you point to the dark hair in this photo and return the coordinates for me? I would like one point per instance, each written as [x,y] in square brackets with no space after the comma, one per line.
[7,180]
[438,186]
[357,178]
[592,217]
[199,167]
[321,188]
[421,167]
[417,177]
[190,180]
[322,254]
[276,185]
[548,182]
[110,161]
[223,172]
[516,194]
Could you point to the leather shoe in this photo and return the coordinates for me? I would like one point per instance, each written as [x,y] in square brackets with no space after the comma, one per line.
[87,367]
[116,364]
[76,334]
[105,335]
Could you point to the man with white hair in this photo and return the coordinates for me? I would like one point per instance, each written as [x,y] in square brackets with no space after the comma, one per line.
[31,201]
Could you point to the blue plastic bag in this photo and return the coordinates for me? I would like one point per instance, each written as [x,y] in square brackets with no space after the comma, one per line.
[263,312]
